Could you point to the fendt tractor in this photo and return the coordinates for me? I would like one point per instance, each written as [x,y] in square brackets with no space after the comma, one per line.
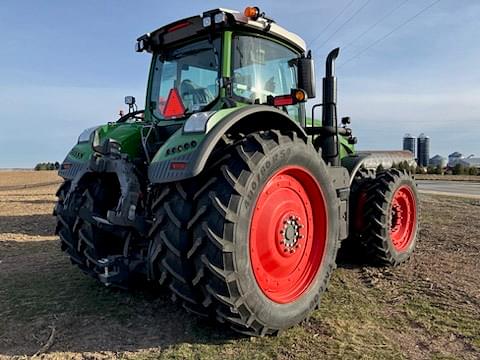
[222,190]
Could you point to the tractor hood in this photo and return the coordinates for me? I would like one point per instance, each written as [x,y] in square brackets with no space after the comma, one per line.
[126,135]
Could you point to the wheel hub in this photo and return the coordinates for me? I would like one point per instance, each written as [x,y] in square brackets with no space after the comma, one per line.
[291,234]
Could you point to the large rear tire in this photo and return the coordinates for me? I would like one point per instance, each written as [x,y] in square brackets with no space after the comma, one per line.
[173,208]
[266,234]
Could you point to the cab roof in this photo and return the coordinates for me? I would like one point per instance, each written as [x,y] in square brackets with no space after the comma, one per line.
[212,21]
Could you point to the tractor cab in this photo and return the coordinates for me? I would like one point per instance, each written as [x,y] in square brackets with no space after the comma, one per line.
[224,59]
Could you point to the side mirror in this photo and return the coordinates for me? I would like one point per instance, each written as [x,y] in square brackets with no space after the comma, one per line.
[129,100]
[306,75]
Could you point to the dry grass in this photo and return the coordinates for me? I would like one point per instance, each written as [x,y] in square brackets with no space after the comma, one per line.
[428,308]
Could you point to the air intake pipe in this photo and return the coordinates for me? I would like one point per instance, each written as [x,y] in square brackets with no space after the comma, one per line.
[329,117]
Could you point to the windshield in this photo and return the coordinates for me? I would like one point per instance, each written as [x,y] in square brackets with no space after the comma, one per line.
[262,68]
[192,70]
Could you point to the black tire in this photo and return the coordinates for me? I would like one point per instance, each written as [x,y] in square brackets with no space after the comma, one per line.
[379,237]
[351,249]
[95,243]
[65,211]
[171,239]
[220,243]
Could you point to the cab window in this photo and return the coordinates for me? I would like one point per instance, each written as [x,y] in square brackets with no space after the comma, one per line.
[262,68]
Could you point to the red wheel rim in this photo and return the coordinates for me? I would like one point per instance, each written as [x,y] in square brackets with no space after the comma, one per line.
[403,218]
[288,234]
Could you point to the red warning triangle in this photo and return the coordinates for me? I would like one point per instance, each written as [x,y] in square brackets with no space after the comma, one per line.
[174,106]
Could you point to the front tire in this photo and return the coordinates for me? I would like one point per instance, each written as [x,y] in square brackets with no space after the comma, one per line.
[268,237]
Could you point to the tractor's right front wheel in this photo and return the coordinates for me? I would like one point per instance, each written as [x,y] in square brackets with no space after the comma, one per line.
[265,245]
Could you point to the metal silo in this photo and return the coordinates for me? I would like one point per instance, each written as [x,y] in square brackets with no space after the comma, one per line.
[409,143]
[423,150]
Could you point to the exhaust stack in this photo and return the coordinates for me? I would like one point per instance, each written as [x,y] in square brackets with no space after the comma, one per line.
[329,116]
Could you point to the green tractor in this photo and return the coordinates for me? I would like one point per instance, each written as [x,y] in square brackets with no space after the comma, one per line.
[222,189]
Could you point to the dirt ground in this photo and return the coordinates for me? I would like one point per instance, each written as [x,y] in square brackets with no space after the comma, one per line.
[428,308]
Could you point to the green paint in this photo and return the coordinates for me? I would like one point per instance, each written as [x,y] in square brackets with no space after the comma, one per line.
[219,116]
[345,148]
[128,135]
[80,153]
[227,54]
[185,140]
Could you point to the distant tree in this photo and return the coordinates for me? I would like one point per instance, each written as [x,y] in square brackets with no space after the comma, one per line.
[459,169]
[431,169]
[419,170]
[57,165]
[380,168]
[439,169]
[404,166]
[46,166]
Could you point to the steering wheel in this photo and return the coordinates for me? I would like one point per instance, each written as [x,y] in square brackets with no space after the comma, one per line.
[200,95]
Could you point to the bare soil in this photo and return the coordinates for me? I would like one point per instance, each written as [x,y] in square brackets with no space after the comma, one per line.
[474,178]
[428,308]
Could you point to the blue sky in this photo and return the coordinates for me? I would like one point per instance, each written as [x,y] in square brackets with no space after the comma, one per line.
[65,66]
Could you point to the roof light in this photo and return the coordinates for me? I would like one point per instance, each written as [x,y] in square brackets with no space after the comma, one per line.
[174,106]
[207,21]
[219,18]
[142,43]
[252,12]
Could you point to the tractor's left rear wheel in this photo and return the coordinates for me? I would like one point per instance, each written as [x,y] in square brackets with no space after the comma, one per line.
[266,235]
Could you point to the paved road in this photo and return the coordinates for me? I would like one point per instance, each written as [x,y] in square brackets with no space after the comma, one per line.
[457,188]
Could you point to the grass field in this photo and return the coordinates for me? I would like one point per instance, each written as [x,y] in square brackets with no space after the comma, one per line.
[428,308]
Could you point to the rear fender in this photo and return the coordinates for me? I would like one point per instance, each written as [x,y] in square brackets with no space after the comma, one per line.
[164,167]
[372,159]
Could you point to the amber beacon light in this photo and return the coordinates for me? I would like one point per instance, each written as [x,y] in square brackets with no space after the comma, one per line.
[252,12]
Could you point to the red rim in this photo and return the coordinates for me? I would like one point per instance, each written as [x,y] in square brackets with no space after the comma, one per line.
[403,218]
[287,242]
